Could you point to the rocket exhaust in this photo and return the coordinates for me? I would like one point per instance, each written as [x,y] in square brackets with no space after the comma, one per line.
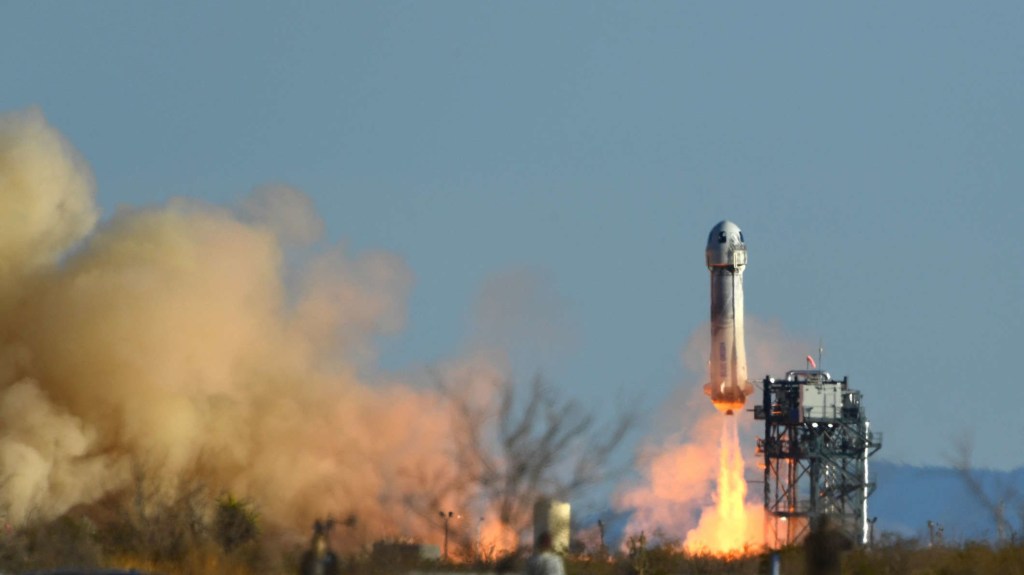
[726,257]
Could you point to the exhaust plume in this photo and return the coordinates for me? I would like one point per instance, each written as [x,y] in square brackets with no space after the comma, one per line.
[694,489]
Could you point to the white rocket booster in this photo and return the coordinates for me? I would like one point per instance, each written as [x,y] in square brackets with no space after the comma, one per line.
[726,256]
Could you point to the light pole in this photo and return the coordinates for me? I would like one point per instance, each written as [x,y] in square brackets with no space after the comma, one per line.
[445,517]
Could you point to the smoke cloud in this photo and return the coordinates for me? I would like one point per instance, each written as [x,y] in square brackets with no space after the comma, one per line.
[165,339]
[687,475]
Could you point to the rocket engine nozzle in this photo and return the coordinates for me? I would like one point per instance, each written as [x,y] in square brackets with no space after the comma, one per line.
[729,399]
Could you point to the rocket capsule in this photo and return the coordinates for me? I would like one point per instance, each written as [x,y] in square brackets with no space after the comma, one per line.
[725,247]
[726,257]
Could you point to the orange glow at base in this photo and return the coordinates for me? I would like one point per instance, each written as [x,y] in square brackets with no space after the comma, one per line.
[729,407]
[496,539]
[731,527]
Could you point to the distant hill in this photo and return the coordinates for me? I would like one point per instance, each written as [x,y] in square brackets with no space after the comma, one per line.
[908,497]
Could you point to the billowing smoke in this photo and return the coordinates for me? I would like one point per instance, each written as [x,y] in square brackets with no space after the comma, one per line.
[679,479]
[48,199]
[693,490]
[165,340]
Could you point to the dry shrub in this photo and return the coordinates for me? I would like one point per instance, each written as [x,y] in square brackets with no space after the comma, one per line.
[236,523]
[65,541]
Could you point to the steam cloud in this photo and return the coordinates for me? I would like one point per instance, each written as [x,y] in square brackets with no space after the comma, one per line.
[165,339]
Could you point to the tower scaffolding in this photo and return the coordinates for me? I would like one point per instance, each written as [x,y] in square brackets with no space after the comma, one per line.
[816,445]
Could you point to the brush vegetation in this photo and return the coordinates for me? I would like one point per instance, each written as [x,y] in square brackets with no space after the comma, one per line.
[224,536]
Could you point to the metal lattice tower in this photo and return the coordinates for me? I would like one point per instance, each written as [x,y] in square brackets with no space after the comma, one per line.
[816,445]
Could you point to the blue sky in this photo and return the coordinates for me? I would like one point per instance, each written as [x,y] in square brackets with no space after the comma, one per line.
[582,150]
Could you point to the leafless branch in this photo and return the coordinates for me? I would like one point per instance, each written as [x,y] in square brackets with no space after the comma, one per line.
[529,442]
[996,507]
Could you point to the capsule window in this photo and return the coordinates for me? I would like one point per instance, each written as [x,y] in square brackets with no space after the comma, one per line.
[721,237]
[741,237]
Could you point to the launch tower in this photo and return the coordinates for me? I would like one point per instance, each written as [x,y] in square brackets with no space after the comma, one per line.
[816,445]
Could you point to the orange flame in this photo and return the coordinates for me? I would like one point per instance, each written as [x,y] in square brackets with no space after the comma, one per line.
[731,526]
[681,481]
[729,407]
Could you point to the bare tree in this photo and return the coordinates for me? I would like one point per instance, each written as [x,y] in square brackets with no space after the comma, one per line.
[527,443]
[996,506]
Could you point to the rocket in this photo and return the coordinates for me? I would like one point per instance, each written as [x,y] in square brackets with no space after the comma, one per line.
[726,256]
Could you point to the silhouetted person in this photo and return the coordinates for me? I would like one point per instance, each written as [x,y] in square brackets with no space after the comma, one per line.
[824,547]
[319,559]
[544,560]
